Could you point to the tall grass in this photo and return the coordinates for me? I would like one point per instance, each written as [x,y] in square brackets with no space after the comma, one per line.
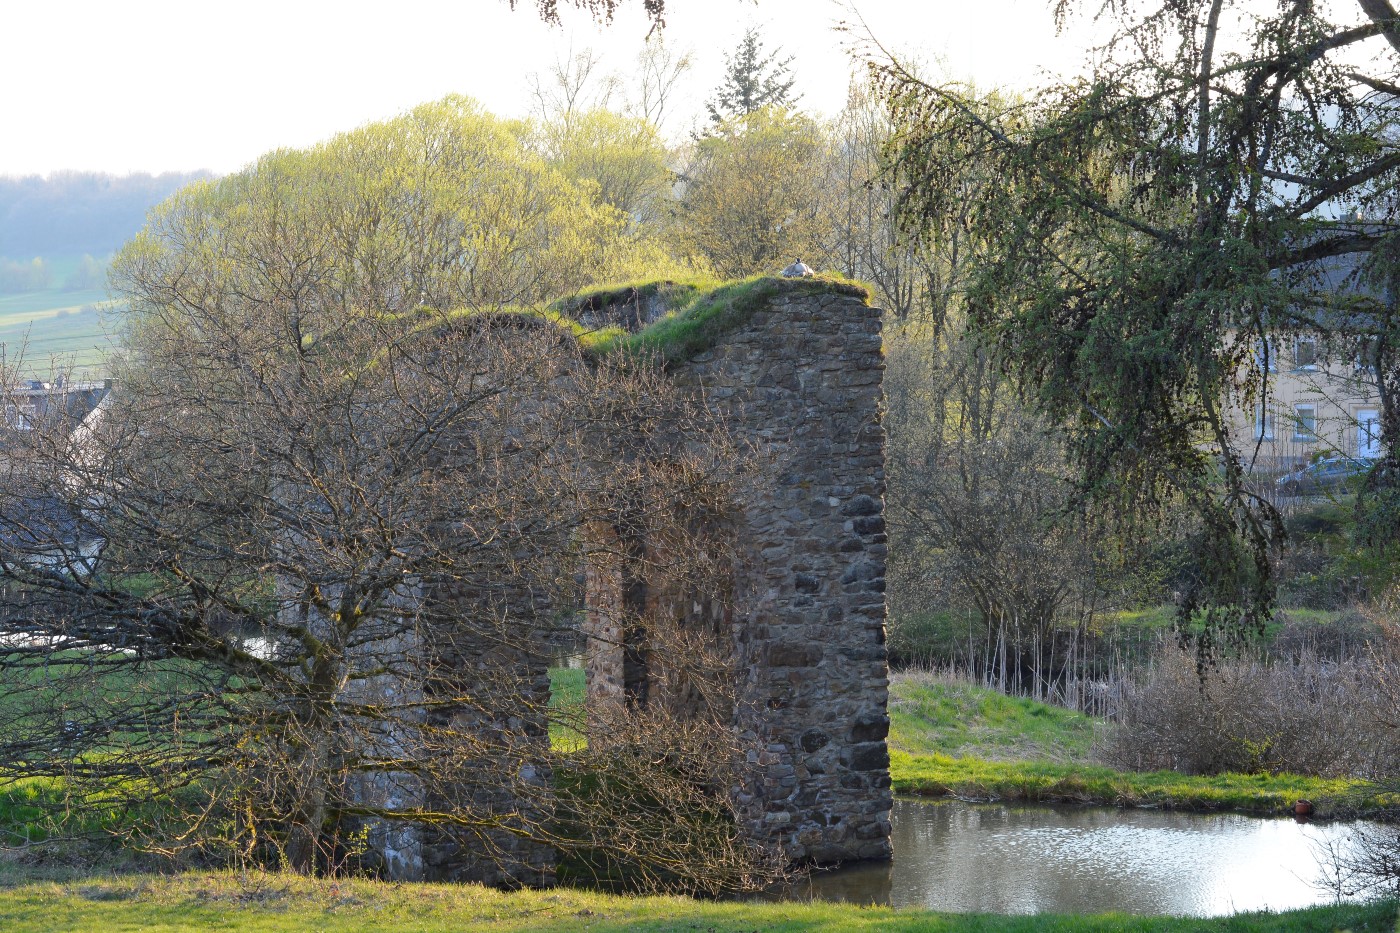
[1307,714]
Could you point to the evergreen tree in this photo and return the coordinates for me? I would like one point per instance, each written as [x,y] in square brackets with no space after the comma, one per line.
[752,81]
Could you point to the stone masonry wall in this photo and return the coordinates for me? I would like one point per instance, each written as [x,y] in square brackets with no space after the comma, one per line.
[801,381]
[804,618]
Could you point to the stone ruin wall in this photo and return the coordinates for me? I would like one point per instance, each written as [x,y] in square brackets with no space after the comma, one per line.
[485,653]
[801,382]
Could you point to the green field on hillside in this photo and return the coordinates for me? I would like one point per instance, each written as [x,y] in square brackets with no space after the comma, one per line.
[57,329]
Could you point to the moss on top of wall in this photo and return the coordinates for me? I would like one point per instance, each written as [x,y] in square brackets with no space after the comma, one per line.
[693,314]
[697,313]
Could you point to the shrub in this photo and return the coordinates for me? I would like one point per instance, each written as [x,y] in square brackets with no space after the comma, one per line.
[1308,715]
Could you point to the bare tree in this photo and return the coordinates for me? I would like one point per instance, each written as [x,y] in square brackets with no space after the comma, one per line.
[659,72]
[341,497]
[981,513]
[574,85]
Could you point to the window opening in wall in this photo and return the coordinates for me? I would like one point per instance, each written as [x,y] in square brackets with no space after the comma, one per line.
[1266,356]
[1305,423]
[1305,353]
[1264,423]
[1368,433]
[1366,352]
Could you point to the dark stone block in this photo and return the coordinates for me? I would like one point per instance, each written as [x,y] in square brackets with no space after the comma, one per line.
[807,582]
[870,525]
[813,739]
[870,757]
[862,570]
[794,655]
[861,505]
[870,727]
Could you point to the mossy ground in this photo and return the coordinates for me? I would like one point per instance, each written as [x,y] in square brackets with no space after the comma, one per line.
[1050,782]
[264,903]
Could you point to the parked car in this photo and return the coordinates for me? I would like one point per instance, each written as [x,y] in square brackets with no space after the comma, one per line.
[1323,475]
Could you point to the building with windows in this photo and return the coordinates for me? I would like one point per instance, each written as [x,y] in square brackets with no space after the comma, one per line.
[1320,395]
[1318,400]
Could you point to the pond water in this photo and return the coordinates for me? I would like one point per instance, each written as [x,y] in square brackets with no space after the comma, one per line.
[956,856]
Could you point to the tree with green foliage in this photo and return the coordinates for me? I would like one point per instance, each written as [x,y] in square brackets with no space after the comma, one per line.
[1140,231]
[623,156]
[89,273]
[19,276]
[754,195]
[752,80]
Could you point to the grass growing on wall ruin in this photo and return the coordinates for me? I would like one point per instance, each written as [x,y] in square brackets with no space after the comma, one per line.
[700,312]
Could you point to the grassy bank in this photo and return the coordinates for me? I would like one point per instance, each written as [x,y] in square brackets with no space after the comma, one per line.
[262,903]
[949,737]
[1050,782]
[935,715]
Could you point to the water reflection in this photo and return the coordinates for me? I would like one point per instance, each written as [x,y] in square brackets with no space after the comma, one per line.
[956,856]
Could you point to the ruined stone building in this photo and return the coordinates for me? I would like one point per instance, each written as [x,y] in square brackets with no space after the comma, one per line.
[797,380]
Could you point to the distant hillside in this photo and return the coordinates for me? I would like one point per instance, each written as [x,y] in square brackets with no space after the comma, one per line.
[67,324]
[56,235]
[68,214]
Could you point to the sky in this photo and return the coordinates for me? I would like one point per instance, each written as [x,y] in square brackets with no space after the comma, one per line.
[160,85]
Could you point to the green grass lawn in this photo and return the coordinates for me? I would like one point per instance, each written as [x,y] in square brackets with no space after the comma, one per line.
[264,903]
[566,695]
[931,714]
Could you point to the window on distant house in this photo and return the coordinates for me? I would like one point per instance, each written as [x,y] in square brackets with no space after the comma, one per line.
[1305,422]
[1264,423]
[1266,356]
[1366,351]
[1305,353]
